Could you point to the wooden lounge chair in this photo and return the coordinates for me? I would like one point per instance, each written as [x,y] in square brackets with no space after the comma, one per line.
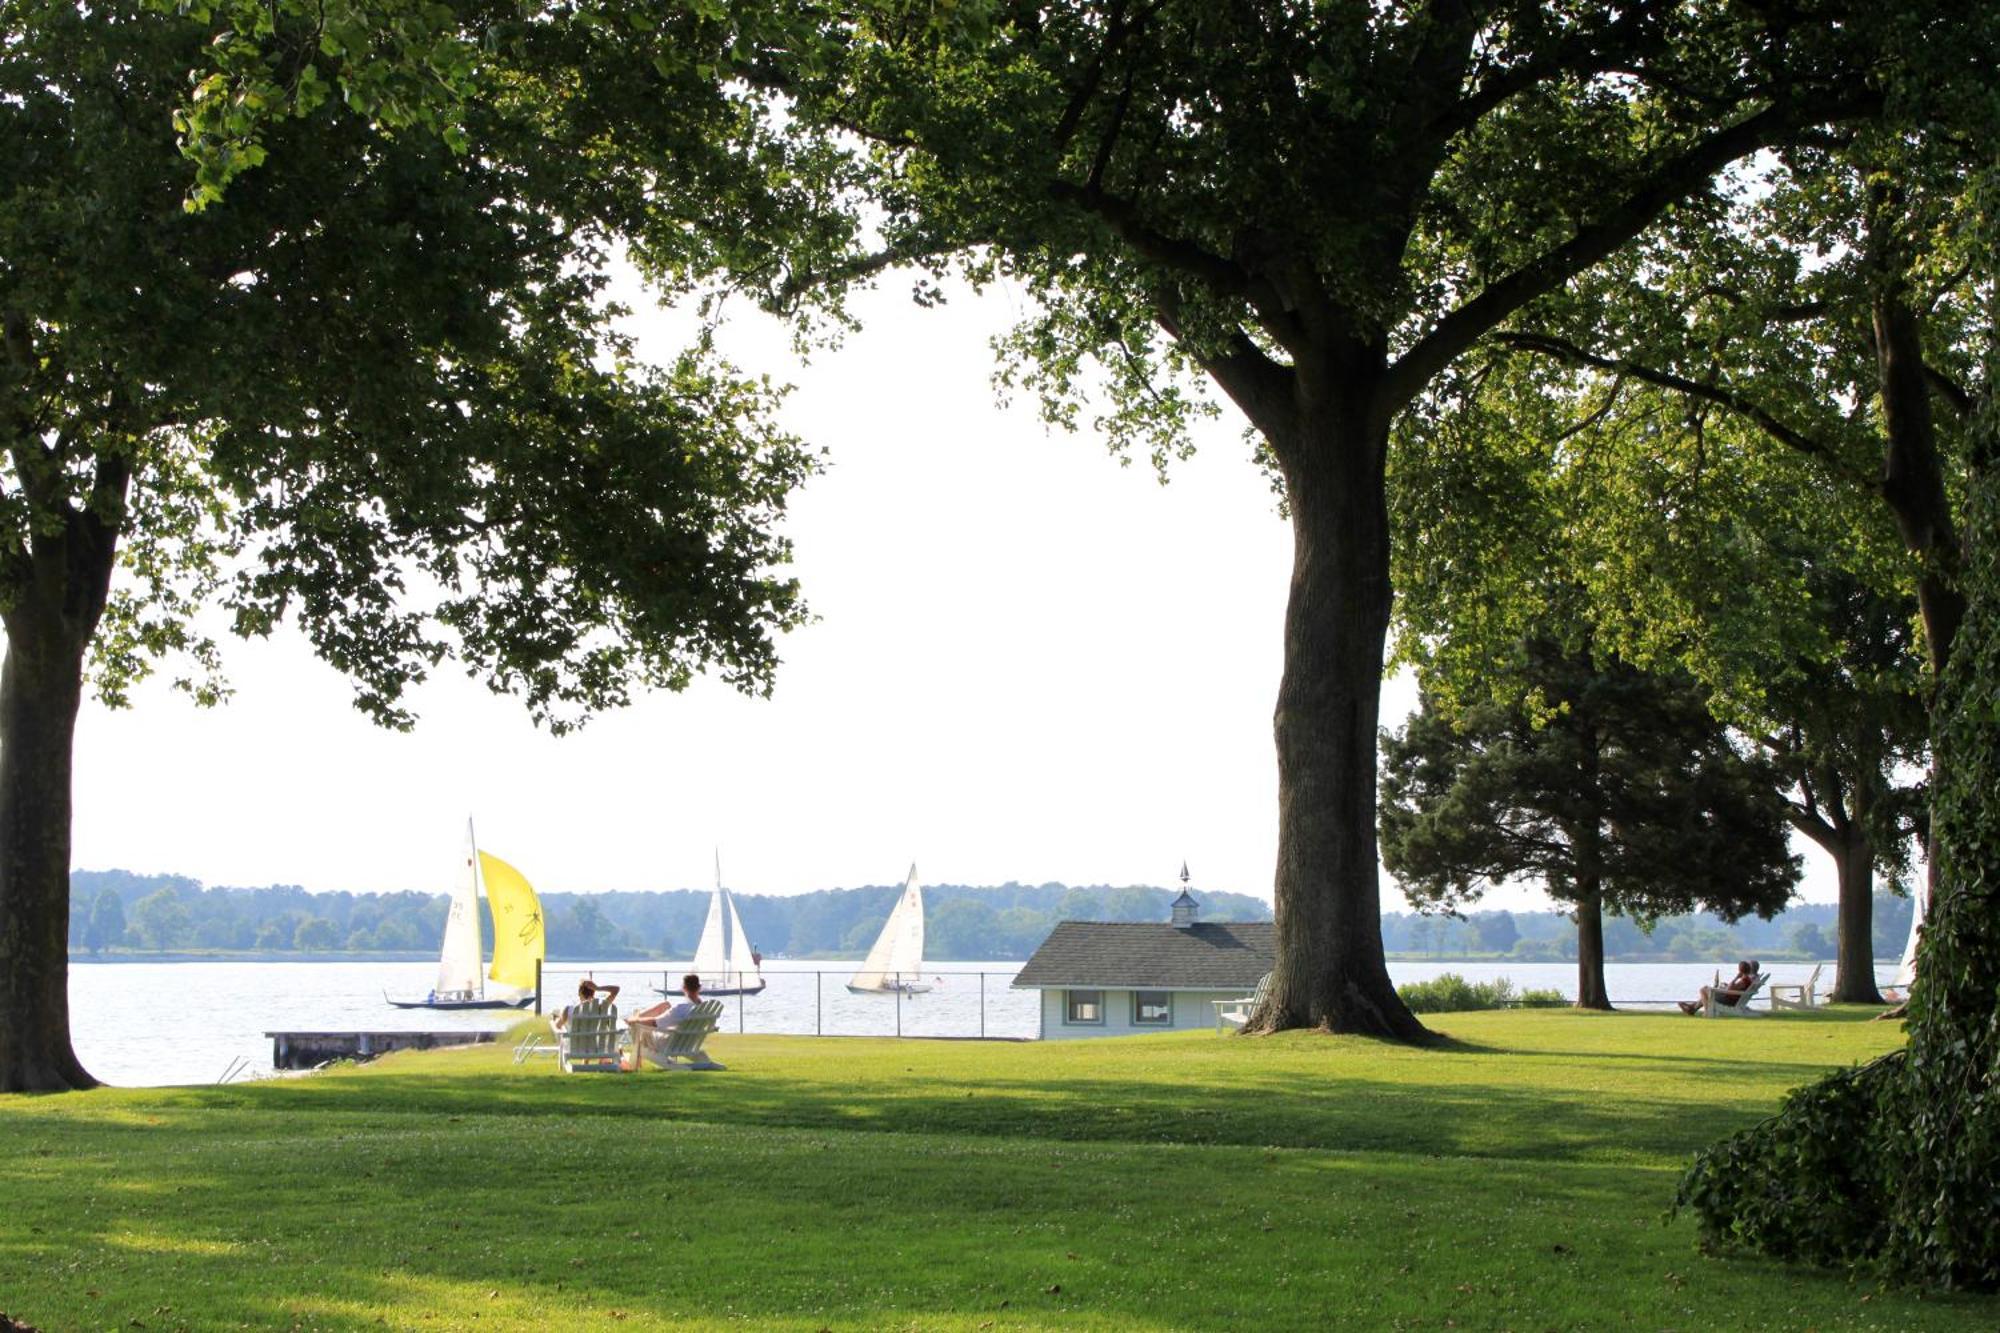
[1713,1006]
[538,1041]
[1235,1013]
[680,1046]
[1794,995]
[587,1040]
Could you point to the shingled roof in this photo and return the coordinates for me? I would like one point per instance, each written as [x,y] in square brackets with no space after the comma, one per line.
[1212,955]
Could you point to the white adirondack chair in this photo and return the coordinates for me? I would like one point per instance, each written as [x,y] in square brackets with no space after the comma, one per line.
[539,1040]
[587,1040]
[1711,1007]
[1794,995]
[680,1046]
[1235,1013]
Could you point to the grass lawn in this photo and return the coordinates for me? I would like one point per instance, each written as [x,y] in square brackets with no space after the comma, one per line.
[1515,1179]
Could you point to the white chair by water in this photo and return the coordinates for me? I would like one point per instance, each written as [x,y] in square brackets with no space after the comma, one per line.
[1235,1013]
[1713,1006]
[539,1040]
[679,1047]
[587,1040]
[1796,995]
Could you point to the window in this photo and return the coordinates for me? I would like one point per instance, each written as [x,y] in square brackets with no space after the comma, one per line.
[1085,1006]
[1152,1008]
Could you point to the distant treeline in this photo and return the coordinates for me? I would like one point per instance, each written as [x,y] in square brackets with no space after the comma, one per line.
[1805,930]
[116,909]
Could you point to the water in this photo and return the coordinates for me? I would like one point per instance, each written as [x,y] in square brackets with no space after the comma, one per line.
[143,1024]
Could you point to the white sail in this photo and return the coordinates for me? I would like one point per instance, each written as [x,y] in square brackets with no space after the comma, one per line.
[711,956]
[459,964]
[1907,972]
[742,967]
[722,959]
[898,955]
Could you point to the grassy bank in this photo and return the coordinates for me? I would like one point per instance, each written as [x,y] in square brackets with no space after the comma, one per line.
[1516,1179]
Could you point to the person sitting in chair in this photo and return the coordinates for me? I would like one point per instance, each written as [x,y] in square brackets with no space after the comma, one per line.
[667,1014]
[1730,992]
[591,998]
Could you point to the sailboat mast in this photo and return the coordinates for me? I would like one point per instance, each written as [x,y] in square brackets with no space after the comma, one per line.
[478,892]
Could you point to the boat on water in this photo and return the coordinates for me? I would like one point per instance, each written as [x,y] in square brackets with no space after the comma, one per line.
[724,960]
[1898,991]
[896,963]
[519,941]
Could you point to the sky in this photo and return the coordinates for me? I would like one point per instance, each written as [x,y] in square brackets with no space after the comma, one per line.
[1028,664]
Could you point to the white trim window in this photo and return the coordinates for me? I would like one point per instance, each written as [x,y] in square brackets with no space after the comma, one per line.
[1083,1008]
[1152,1009]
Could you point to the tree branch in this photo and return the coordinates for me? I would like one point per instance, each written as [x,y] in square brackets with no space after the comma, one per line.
[1182,256]
[1950,390]
[1261,387]
[1564,350]
[862,266]
[1671,181]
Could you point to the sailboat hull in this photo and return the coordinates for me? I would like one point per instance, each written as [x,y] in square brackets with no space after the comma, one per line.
[890,988]
[713,992]
[522,1003]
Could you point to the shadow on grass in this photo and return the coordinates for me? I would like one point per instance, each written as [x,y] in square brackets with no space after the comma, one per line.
[1459,1117]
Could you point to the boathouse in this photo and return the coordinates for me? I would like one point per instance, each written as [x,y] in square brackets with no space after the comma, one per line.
[1118,978]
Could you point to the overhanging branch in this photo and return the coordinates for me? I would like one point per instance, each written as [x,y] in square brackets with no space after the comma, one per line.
[1673,180]
[1721,395]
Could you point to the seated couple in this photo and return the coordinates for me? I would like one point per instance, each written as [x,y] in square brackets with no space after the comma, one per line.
[1729,992]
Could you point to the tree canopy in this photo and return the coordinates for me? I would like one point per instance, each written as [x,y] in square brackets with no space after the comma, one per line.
[1317,210]
[376,390]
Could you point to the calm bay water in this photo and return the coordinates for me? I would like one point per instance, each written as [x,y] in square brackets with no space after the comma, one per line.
[142,1024]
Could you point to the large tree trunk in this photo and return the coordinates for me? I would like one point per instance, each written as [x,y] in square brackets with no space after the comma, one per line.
[1854,972]
[55,599]
[1912,480]
[1824,815]
[1331,973]
[1591,992]
[40,687]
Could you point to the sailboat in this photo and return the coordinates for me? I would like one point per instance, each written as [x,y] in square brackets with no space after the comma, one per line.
[723,959]
[1906,972]
[898,956]
[518,940]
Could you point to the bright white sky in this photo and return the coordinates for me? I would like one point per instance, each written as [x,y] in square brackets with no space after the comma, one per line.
[1030,664]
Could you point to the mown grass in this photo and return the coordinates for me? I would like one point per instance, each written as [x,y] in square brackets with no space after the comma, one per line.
[1515,1178]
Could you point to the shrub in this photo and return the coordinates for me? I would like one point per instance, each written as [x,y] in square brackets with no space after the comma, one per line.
[1452,993]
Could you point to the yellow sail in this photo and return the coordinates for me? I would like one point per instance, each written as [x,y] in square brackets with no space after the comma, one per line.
[517,923]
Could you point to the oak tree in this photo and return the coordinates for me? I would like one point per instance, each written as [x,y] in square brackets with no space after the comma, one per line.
[375,390]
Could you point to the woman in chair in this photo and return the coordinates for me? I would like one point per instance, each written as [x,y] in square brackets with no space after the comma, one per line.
[591,998]
[1730,992]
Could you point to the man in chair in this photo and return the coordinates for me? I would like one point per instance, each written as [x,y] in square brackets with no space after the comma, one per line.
[652,1024]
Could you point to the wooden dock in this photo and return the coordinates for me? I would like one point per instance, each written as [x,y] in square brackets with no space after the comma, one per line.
[310,1050]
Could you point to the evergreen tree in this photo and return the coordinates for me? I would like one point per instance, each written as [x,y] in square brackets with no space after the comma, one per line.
[1612,786]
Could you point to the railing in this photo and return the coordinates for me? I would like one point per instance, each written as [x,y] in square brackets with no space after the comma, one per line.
[960,1003]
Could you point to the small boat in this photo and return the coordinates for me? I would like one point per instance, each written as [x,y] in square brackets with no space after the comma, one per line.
[1898,990]
[518,939]
[724,960]
[896,962]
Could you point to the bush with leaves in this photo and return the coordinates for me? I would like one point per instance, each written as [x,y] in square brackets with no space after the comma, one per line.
[1892,1166]
[1452,993]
